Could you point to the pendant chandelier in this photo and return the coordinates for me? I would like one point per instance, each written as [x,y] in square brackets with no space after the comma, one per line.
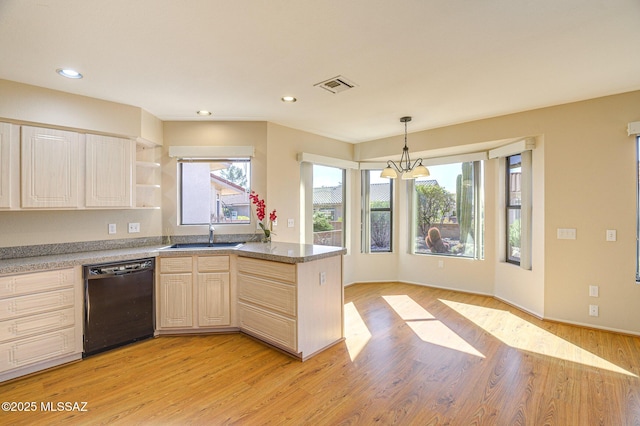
[404,167]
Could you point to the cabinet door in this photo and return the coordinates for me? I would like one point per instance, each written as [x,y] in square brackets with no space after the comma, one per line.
[109,171]
[213,299]
[176,300]
[50,164]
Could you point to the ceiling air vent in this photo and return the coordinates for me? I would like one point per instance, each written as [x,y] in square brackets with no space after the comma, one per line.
[336,84]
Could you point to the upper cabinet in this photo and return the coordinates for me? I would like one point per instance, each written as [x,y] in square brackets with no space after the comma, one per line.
[50,168]
[109,171]
[9,174]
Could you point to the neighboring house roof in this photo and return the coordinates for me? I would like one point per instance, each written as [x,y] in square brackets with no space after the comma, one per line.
[230,193]
[427,182]
[327,195]
[235,199]
[224,186]
[379,192]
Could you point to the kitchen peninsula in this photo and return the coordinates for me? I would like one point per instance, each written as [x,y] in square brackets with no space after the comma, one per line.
[289,296]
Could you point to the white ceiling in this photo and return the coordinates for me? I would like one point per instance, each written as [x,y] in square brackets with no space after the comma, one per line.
[440,61]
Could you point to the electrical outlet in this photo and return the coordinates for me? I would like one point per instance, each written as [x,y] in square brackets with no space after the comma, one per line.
[611,235]
[566,233]
[593,310]
[112,228]
[290,223]
[134,227]
[593,290]
[323,278]
[440,263]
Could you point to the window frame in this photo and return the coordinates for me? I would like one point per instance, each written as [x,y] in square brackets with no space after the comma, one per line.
[511,207]
[366,211]
[478,208]
[180,182]
[637,209]
[345,207]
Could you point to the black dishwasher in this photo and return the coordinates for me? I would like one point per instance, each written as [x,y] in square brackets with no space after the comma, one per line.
[118,304]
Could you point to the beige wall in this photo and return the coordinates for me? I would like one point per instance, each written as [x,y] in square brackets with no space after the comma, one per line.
[584,177]
[210,133]
[278,184]
[588,183]
[283,173]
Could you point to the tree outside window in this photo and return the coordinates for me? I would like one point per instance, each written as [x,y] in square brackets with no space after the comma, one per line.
[445,211]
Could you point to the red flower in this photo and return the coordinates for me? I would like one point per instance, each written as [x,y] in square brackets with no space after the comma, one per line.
[261,207]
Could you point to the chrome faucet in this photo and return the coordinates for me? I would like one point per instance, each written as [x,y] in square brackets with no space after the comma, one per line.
[211,229]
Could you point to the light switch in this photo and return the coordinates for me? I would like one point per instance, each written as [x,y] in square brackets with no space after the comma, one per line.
[290,223]
[112,228]
[611,235]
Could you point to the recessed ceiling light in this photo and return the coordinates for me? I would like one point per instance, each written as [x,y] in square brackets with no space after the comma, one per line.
[204,112]
[289,99]
[69,73]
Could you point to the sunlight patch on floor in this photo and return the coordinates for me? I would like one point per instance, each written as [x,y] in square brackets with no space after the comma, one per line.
[521,334]
[356,332]
[427,327]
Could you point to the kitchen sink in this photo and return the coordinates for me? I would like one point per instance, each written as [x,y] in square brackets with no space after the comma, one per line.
[204,245]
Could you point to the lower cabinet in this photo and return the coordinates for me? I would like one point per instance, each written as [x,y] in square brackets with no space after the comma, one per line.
[40,321]
[194,292]
[295,307]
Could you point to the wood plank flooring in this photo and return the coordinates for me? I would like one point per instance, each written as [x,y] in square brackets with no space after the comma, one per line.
[413,356]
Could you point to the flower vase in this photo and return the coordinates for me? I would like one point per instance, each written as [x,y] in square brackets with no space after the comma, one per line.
[266,238]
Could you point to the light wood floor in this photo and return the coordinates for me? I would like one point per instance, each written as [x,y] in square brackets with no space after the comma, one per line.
[413,356]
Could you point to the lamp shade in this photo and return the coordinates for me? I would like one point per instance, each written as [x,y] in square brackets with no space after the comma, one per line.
[389,173]
[420,171]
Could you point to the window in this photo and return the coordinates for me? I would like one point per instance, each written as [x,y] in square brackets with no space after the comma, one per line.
[516,233]
[513,197]
[447,211]
[377,212]
[215,191]
[328,206]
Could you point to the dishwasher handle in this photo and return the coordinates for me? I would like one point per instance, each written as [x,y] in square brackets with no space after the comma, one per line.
[104,271]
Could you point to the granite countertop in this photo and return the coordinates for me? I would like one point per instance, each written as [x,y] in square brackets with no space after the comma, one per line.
[274,251]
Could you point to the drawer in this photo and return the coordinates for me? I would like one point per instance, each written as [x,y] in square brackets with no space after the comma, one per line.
[268,269]
[14,285]
[269,294]
[213,263]
[36,303]
[175,264]
[271,327]
[34,324]
[36,349]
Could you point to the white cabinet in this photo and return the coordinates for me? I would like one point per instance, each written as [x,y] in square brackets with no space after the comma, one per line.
[194,292]
[50,168]
[9,165]
[40,321]
[109,171]
[296,307]
[147,183]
